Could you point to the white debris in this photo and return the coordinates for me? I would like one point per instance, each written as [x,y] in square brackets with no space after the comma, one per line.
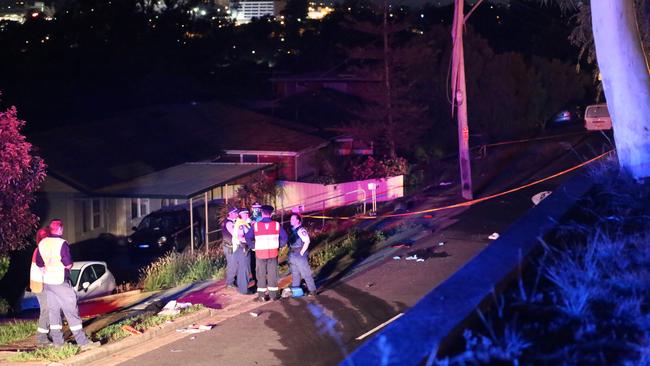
[412,257]
[444,184]
[494,236]
[254,314]
[540,196]
[420,260]
[441,243]
[397,257]
[174,308]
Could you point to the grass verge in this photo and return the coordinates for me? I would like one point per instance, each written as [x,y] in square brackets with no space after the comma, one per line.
[46,354]
[16,331]
[114,332]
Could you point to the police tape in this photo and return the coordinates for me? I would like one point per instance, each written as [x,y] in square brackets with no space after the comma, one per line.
[465,203]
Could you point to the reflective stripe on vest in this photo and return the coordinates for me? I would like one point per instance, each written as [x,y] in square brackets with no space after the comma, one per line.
[50,249]
[267,239]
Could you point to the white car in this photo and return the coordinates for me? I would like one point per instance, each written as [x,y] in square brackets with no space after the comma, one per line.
[89,279]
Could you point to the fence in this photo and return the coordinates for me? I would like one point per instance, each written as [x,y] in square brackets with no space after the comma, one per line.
[309,197]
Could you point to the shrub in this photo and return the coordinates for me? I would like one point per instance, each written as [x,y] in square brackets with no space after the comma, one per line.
[174,269]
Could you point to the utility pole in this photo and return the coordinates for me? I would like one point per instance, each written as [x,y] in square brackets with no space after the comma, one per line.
[389,102]
[459,96]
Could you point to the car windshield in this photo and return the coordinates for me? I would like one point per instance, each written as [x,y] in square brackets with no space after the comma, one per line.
[164,223]
[74,275]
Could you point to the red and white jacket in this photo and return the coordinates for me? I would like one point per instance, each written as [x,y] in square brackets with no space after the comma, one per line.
[267,239]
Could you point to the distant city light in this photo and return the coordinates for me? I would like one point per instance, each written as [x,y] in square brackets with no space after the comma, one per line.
[421,15]
[253,52]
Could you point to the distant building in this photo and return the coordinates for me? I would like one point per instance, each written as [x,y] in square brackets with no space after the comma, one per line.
[245,10]
[318,10]
[19,10]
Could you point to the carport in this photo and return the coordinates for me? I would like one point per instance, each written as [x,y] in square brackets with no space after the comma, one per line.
[185,181]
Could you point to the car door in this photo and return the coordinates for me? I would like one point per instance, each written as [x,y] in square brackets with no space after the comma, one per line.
[105,280]
[87,275]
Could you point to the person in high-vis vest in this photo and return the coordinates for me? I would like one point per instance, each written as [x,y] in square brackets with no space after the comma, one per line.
[299,256]
[227,235]
[269,237]
[241,252]
[36,287]
[54,259]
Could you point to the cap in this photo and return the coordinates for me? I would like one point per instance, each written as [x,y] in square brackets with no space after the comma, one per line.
[243,210]
[233,210]
[256,205]
[267,208]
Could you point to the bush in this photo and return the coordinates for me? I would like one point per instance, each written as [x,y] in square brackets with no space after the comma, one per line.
[174,269]
[584,302]
[369,167]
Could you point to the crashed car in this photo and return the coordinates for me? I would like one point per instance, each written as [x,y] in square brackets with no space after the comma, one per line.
[89,279]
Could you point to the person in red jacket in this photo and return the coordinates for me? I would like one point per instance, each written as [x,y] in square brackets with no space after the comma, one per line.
[269,236]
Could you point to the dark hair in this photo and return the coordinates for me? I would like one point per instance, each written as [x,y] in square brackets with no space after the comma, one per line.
[42,234]
[55,224]
[297,215]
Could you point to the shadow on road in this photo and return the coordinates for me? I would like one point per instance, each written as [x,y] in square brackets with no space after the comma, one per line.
[323,331]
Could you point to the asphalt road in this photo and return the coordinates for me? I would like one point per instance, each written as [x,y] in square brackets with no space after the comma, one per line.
[323,330]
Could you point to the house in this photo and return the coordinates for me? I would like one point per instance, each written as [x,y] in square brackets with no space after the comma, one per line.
[351,84]
[104,176]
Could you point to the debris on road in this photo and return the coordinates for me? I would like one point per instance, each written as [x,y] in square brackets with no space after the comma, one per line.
[174,308]
[427,253]
[419,260]
[176,350]
[494,236]
[428,216]
[540,196]
[370,284]
[397,257]
[130,329]
[254,314]
[441,243]
[411,257]
[444,184]
[195,328]
[401,245]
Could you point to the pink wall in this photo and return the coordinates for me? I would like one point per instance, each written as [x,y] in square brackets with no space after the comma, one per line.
[316,197]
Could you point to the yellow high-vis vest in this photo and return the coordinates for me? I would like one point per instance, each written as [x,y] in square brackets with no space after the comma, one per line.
[50,249]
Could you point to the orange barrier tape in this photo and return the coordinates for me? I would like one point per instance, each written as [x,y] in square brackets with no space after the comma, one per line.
[467,203]
[528,140]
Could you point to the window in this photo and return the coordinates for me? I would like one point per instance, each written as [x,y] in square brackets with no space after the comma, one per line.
[91,214]
[168,202]
[139,207]
[96,213]
[88,275]
[99,270]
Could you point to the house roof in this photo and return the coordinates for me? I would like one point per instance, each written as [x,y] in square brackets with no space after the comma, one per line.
[182,181]
[135,143]
[323,77]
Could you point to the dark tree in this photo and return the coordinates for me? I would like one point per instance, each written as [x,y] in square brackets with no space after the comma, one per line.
[20,175]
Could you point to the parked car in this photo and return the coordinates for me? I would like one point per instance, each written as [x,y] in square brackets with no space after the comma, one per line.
[166,229]
[569,116]
[597,118]
[89,279]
